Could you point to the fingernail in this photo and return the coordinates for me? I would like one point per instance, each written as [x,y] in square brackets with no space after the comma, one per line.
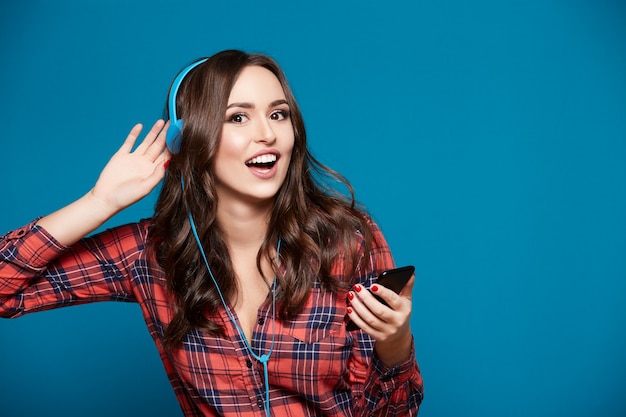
[166,164]
[349,310]
[357,288]
[351,295]
[374,288]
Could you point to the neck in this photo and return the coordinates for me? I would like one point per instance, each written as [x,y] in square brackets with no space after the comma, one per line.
[243,225]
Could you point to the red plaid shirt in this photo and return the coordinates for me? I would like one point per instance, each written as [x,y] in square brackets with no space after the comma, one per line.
[317,368]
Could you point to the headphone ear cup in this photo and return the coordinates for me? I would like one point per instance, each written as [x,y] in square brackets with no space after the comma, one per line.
[174,135]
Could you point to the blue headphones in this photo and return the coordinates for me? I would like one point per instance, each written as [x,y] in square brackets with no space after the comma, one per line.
[174,132]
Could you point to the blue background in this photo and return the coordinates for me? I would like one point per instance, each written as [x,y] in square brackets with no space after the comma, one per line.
[488,139]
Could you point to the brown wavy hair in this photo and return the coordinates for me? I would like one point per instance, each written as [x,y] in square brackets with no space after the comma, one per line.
[317,224]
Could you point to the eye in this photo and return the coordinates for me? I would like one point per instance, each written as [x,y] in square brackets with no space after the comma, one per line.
[280,115]
[238,118]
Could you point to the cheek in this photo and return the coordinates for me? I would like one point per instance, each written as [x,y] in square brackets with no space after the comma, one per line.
[289,139]
[231,145]
[287,154]
[290,146]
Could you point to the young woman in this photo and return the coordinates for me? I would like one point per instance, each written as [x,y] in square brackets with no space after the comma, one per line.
[249,268]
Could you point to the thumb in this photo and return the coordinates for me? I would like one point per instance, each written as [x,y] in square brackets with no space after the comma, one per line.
[407,291]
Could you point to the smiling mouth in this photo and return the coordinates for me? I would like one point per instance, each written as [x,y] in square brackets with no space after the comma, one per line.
[263,161]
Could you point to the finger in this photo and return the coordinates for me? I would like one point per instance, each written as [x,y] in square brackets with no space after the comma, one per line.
[150,137]
[129,142]
[371,312]
[162,159]
[157,174]
[393,299]
[355,317]
[372,300]
[368,323]
[159,146]
[407,291]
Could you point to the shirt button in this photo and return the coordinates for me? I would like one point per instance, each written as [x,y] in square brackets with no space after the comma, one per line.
[248,363]
[261,321]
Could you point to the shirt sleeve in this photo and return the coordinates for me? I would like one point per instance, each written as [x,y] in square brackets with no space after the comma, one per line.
[38,273]
[380,391]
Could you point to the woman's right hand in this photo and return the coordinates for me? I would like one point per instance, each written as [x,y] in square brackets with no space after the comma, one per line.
[131,175]
[127,178]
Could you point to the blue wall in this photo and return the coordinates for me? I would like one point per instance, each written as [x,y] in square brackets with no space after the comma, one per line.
[488,138]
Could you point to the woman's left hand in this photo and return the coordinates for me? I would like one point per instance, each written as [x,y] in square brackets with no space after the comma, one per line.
[389,325]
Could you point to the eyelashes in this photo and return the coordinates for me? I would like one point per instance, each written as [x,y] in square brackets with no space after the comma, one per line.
[280,115]
[237,118]
[242,117]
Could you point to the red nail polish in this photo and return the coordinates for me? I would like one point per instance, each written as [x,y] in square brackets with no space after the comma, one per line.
[374,288]
[357,288]
[166,164]
[351,295]
[349,310]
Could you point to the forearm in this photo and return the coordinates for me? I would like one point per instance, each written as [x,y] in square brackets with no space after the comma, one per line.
[73,222]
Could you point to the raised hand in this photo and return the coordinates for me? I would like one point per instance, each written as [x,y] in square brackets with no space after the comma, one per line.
[131,175]
[127,178]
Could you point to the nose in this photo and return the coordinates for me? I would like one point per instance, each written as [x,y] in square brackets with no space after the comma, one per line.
[265,133]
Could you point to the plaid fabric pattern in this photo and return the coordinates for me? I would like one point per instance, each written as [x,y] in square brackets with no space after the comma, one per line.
[316,368]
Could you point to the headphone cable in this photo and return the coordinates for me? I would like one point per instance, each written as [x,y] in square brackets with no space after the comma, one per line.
[261,358]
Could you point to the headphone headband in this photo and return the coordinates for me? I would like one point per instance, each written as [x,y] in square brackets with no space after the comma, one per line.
[174,132]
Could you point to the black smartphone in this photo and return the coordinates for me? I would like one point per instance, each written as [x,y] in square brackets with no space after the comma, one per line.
[395,280]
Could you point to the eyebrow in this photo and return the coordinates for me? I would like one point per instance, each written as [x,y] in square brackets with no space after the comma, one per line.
[247,105]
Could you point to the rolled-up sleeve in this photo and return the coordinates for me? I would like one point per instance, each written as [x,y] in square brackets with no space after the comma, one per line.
[38,273]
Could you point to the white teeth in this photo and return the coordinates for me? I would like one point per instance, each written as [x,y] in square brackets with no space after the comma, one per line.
[262,159]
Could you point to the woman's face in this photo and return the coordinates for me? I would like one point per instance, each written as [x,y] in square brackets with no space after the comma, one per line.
[257,140]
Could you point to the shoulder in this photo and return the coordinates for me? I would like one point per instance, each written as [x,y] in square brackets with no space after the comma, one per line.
[373,254]
[371,234]
[380,257]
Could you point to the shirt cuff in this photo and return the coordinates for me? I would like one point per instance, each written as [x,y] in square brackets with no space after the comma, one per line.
[36,247]
[391,378]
